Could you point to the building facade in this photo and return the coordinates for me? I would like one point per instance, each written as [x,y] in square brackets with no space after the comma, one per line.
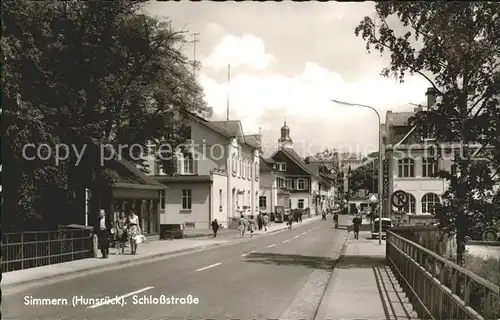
[270,195]
[302,184]
[217,174]
[413,165]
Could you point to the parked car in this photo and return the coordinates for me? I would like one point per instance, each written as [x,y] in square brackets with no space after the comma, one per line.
[386,224]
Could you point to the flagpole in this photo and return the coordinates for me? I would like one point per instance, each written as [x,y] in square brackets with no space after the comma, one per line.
[228,86]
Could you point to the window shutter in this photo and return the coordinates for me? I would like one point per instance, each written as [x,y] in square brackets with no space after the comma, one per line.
[294,184]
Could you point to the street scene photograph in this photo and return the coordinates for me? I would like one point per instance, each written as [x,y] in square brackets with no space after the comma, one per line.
[250,160]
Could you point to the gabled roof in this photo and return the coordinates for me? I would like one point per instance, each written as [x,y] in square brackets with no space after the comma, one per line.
[232,127]
[399,119]
[229,129]
[292,155]
[128,174]
[253,140]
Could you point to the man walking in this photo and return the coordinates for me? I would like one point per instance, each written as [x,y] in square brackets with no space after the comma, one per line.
[356,223]
[103,231]
[215,227]
[260,222]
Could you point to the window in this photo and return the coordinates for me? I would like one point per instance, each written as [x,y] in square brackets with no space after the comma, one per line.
[289,203]
[406,168]
[281,166]
[234,164]
[220,200]
[280,182]
[256,171]
[186,199]
[262,202]
[429,202]
[429,167]
[300,204]
[188,164]
[429,132]
[411,205]
[240,174]
[162,199]
[288,183]
[301,184]
[453,170]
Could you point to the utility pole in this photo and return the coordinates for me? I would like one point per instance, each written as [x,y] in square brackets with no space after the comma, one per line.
[196,39]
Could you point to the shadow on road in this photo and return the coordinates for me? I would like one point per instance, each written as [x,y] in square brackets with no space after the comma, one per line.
[349,262]
[291,260]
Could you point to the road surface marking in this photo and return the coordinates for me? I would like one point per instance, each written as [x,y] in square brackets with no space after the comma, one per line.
[246,254]
[296,237]
[208,267]
[285,241]
[272,245]
[120,297]
[304,232]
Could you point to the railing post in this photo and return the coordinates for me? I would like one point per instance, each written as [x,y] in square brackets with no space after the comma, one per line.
[466,290]
[488,304]
[442,274]
[22,250]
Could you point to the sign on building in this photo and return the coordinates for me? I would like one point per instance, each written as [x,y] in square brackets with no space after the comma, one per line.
[385,179]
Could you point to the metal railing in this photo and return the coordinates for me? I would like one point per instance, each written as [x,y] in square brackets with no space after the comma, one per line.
[438,288]
[39,248]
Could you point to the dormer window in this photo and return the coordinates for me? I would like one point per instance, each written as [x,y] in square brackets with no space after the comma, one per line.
[281,166]
[428,133]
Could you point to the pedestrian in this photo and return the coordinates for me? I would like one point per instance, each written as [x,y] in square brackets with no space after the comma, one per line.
[242,225]
[121,233]
[103,231]
[215,227]
[134,231]
[356,224]
[300,216]
[251,225]
[336,219]
[290,221]
[260,222]
[266,221]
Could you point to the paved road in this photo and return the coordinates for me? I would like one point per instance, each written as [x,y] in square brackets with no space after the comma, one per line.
[279,276]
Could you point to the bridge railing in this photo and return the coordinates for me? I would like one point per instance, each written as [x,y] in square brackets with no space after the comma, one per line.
[438,288]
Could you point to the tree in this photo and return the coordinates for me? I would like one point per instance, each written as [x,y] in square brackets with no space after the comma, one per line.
[456,47]
[85,73]
[365,177]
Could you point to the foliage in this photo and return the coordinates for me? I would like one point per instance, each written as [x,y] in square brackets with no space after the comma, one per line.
[455,46]
[85,73]
[366,176]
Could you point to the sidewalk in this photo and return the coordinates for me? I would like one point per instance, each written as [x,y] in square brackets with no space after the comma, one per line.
[362,286]
[150,250]
[234,233]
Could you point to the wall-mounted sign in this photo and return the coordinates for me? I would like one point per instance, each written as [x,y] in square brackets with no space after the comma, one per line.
[385,179]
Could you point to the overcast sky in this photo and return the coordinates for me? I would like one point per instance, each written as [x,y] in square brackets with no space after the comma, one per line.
[287,60]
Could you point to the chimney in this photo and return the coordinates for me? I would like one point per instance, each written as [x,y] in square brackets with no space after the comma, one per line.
[431,97]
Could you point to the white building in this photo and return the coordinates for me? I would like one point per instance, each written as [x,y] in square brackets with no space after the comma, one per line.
[412,164]
[270,195]
[217,176]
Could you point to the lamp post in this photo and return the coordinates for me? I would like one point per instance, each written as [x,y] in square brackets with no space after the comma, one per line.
[380,167]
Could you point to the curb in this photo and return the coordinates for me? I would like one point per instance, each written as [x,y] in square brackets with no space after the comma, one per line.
[109,267]
[120,264]
[319,311]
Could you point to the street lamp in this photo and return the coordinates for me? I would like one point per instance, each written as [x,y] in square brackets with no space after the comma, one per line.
[380,167]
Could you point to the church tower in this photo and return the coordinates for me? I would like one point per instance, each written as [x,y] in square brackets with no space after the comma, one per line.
[285,141]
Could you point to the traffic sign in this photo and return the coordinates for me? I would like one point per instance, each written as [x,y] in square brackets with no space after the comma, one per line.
[385,180]
[399,199]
